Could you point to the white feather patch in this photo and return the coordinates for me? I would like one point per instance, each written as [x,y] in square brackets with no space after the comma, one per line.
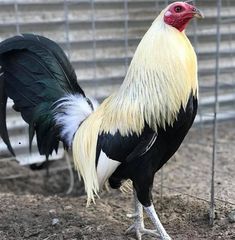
[105,168]
[70,112]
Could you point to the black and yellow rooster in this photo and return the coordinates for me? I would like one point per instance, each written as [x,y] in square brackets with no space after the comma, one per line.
[134,132]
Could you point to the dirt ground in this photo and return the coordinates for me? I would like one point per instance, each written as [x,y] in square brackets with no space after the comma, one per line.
[34,206]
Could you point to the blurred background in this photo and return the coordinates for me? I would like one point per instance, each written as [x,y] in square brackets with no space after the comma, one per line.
[100,37]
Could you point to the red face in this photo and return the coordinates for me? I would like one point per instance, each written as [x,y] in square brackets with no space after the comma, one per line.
[179,14]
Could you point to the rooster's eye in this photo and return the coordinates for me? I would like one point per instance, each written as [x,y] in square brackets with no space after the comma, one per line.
[178,9]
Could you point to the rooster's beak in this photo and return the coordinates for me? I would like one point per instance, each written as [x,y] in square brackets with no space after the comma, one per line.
[198,13]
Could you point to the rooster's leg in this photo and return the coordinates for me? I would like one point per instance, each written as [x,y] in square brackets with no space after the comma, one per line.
[155,220]
[138,226]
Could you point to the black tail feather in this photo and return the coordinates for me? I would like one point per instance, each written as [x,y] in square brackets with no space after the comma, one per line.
[36,74]
[3,127]
[62,59]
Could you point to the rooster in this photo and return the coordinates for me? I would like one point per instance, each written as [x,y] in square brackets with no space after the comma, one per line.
[133,133]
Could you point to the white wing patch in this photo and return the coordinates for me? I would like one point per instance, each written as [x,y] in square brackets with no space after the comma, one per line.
[105,168]
[70,112]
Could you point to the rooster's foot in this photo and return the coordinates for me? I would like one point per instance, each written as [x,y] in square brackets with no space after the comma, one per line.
[139,230]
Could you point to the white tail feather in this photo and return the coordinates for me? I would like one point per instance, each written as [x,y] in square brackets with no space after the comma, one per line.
[70,112]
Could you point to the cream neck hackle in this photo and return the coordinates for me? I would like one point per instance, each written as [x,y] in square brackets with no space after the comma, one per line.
[160,79]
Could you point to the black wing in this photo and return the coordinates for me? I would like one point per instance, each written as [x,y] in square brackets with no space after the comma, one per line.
[126,148]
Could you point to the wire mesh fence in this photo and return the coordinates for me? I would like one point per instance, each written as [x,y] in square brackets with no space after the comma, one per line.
[100,38]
